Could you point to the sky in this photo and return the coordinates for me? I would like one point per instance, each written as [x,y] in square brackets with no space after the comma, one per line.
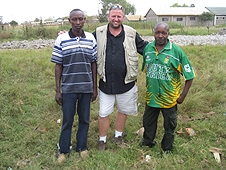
[27,10]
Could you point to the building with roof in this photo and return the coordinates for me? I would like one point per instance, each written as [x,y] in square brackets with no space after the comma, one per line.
[186,16]
[133,18]
[219,14]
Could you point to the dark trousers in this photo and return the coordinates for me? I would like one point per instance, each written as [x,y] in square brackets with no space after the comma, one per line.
[70,101]
[150,119]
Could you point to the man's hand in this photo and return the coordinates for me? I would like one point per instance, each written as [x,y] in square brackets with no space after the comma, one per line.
[94,95]
[185,91]
[58,98]
[180,99]
[61,32]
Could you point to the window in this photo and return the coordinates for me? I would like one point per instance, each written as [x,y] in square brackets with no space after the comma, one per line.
[179,19]
[192,18]
[165,19]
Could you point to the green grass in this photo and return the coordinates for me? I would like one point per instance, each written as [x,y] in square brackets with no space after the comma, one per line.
[27,101]
[143,28]
[184,31]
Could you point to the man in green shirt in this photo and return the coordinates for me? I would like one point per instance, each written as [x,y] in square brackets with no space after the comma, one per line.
[164,63]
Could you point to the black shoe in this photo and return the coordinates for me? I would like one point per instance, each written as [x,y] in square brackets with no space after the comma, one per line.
[151,145]
[102,145]
[118,140]
[167,151]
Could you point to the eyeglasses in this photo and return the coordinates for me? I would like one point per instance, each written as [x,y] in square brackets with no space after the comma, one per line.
[116,6]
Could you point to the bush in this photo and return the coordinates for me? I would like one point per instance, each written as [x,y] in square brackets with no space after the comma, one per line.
[6,35]
[36,32]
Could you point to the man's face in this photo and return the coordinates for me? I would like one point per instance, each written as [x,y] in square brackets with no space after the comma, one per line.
[161,34]
[115,18]
[77,20]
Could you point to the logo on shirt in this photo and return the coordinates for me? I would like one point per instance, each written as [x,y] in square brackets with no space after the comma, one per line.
[166,60]
[158,71]
[187,68]
[148,58]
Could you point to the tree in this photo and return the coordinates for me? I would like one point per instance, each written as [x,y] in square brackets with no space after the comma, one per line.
[106,4]
[13,23]
[177,5]
[36,20]
[206,16]
[1,18]
[49,19]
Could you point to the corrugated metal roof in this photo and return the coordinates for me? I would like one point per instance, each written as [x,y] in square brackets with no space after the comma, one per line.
[134,17]
[217,10]
[179,10]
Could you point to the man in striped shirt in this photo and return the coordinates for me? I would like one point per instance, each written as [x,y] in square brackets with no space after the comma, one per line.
[74,54]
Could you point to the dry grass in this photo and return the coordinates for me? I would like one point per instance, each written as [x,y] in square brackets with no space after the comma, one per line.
[27,101]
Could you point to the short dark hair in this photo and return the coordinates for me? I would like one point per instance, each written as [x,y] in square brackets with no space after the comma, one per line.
[162,23]
[75,10]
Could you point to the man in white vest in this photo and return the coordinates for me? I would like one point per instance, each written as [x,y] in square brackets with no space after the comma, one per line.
[118,46]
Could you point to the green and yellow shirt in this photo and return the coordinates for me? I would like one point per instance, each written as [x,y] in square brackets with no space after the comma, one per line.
[163,72]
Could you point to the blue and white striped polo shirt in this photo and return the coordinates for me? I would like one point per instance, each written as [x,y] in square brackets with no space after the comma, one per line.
[76,55]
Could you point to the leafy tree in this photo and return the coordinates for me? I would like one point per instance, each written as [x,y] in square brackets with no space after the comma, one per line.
[184,5]
[129,9]
[49,19]
[13,23]
[177,5]
[36,20]
[206,16]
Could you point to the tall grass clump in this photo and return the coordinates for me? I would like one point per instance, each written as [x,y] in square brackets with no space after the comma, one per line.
[30,132]
[6,34]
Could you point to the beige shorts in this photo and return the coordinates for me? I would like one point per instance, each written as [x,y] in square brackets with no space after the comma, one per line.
[126,102]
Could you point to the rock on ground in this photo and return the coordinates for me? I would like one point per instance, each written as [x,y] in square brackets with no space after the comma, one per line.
[181,40]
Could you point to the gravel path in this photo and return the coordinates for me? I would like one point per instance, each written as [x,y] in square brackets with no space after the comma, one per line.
[180,40]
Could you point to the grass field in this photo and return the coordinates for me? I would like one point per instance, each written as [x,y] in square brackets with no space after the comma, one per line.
[27,101]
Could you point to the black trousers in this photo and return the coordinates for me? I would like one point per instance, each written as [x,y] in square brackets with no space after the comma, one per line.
[150,119]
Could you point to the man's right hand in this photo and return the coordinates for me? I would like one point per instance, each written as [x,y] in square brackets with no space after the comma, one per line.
[61,32]
[58,98]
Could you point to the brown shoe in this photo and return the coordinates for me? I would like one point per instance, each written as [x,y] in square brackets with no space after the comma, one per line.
[84,154]
[102,146]
[61,158]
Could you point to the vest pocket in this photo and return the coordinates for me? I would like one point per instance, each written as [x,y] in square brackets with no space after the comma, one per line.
[100,65]
[133,65]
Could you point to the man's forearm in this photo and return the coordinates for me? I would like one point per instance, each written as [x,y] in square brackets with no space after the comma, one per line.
[58,75]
